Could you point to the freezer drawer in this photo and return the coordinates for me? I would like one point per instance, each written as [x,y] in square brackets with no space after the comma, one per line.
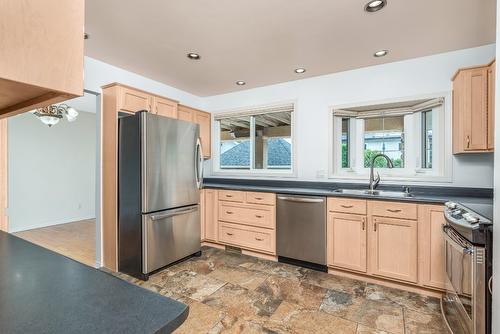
[169,236]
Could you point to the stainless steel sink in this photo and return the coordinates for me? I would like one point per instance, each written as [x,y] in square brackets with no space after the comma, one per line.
[374,193]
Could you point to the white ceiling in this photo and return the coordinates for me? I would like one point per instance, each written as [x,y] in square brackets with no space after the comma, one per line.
[263,41]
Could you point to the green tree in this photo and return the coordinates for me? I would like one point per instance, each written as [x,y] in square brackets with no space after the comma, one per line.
[380,163]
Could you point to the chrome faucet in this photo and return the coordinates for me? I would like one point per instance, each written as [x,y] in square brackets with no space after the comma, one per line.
[375,180]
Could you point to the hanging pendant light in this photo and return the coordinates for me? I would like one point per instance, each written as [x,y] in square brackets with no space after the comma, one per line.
[50,115]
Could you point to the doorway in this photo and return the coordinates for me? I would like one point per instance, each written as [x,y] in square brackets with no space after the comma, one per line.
[53,180]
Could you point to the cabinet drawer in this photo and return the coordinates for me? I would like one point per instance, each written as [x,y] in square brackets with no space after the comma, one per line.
[393,209]
[347,205]
[255,216]
[261,198]
[248,237]
[232,196]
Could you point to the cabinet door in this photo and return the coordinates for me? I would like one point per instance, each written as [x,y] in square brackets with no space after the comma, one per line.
[210,214]
[393,248]
[132,100]
[204,120]
[165,107]
[185,113]
[475,111]
[431,246]
[491,106]
[346,241]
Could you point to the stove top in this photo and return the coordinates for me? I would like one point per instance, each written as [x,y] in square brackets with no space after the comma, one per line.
[471,220]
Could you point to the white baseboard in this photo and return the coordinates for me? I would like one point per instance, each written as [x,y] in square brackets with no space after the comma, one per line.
[47,224]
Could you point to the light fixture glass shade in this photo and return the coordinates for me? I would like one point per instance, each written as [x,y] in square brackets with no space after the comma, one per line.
[49,120]
[71,114]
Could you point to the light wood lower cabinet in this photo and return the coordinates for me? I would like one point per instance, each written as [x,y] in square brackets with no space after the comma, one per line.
[393,248]
[209,214]
[431,246]
[387,240]
[346,241]
[240,219]
[253,238]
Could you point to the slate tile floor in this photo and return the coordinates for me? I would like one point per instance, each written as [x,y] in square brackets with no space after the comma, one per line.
[234,293]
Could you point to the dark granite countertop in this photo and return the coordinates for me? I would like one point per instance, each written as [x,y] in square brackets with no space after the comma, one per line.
[44,292]
[421,194]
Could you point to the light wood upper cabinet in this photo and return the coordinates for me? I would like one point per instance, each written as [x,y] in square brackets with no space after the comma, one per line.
[164,107]
[209,216]
[473,107]
[491,105]
[431,246]
[346,241]
[185,113]
[393,248]
[204,120]
[133,100]
[41,53]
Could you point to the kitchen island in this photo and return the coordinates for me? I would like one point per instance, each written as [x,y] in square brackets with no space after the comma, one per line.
[44,292]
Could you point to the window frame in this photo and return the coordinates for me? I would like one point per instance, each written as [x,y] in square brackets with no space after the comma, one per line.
[441,170]
[252,172]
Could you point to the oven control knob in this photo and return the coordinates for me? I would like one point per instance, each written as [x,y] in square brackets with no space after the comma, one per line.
[450,205]
[471,218]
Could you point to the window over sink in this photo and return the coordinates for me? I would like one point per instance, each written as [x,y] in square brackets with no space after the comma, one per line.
[255,140]
[413,133]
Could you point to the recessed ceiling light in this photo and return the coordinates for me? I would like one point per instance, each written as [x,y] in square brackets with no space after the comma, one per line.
[300,70]
[375,5]
[240,83]
[193,56]
[380,53]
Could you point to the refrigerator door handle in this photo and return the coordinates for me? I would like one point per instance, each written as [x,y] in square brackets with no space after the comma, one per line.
[199,164]
[173,213]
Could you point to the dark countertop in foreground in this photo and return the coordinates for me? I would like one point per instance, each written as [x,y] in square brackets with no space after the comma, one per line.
[421,194]
[44,292]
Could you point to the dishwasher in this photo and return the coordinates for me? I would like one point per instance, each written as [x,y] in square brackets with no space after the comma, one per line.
[301,230]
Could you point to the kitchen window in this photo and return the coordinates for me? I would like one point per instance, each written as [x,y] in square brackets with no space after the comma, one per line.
[401,130]
[258,140]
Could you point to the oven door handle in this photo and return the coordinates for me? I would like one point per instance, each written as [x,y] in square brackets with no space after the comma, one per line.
[456,242]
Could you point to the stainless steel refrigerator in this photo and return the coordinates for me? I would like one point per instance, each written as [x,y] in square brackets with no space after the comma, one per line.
[160,170]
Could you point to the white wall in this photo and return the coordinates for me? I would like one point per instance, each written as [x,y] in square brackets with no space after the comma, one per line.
[51,171]
[98,74]
[496,198]
[314,96]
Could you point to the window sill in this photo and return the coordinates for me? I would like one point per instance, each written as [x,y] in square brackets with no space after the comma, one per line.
[255,173]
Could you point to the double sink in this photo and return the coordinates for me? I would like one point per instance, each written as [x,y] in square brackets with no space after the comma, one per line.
[374,193]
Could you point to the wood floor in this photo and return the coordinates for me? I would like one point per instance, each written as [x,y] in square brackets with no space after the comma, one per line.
[75,240]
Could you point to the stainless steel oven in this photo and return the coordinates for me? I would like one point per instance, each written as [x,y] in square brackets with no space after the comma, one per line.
[466,303]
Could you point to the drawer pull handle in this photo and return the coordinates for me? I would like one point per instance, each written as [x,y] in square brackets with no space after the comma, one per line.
[259,239]
[229,212]
[229,233]
[394,210]
[229,196]
[346,206]
[259,216]
[374,227]
[363,223]
[259,198]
